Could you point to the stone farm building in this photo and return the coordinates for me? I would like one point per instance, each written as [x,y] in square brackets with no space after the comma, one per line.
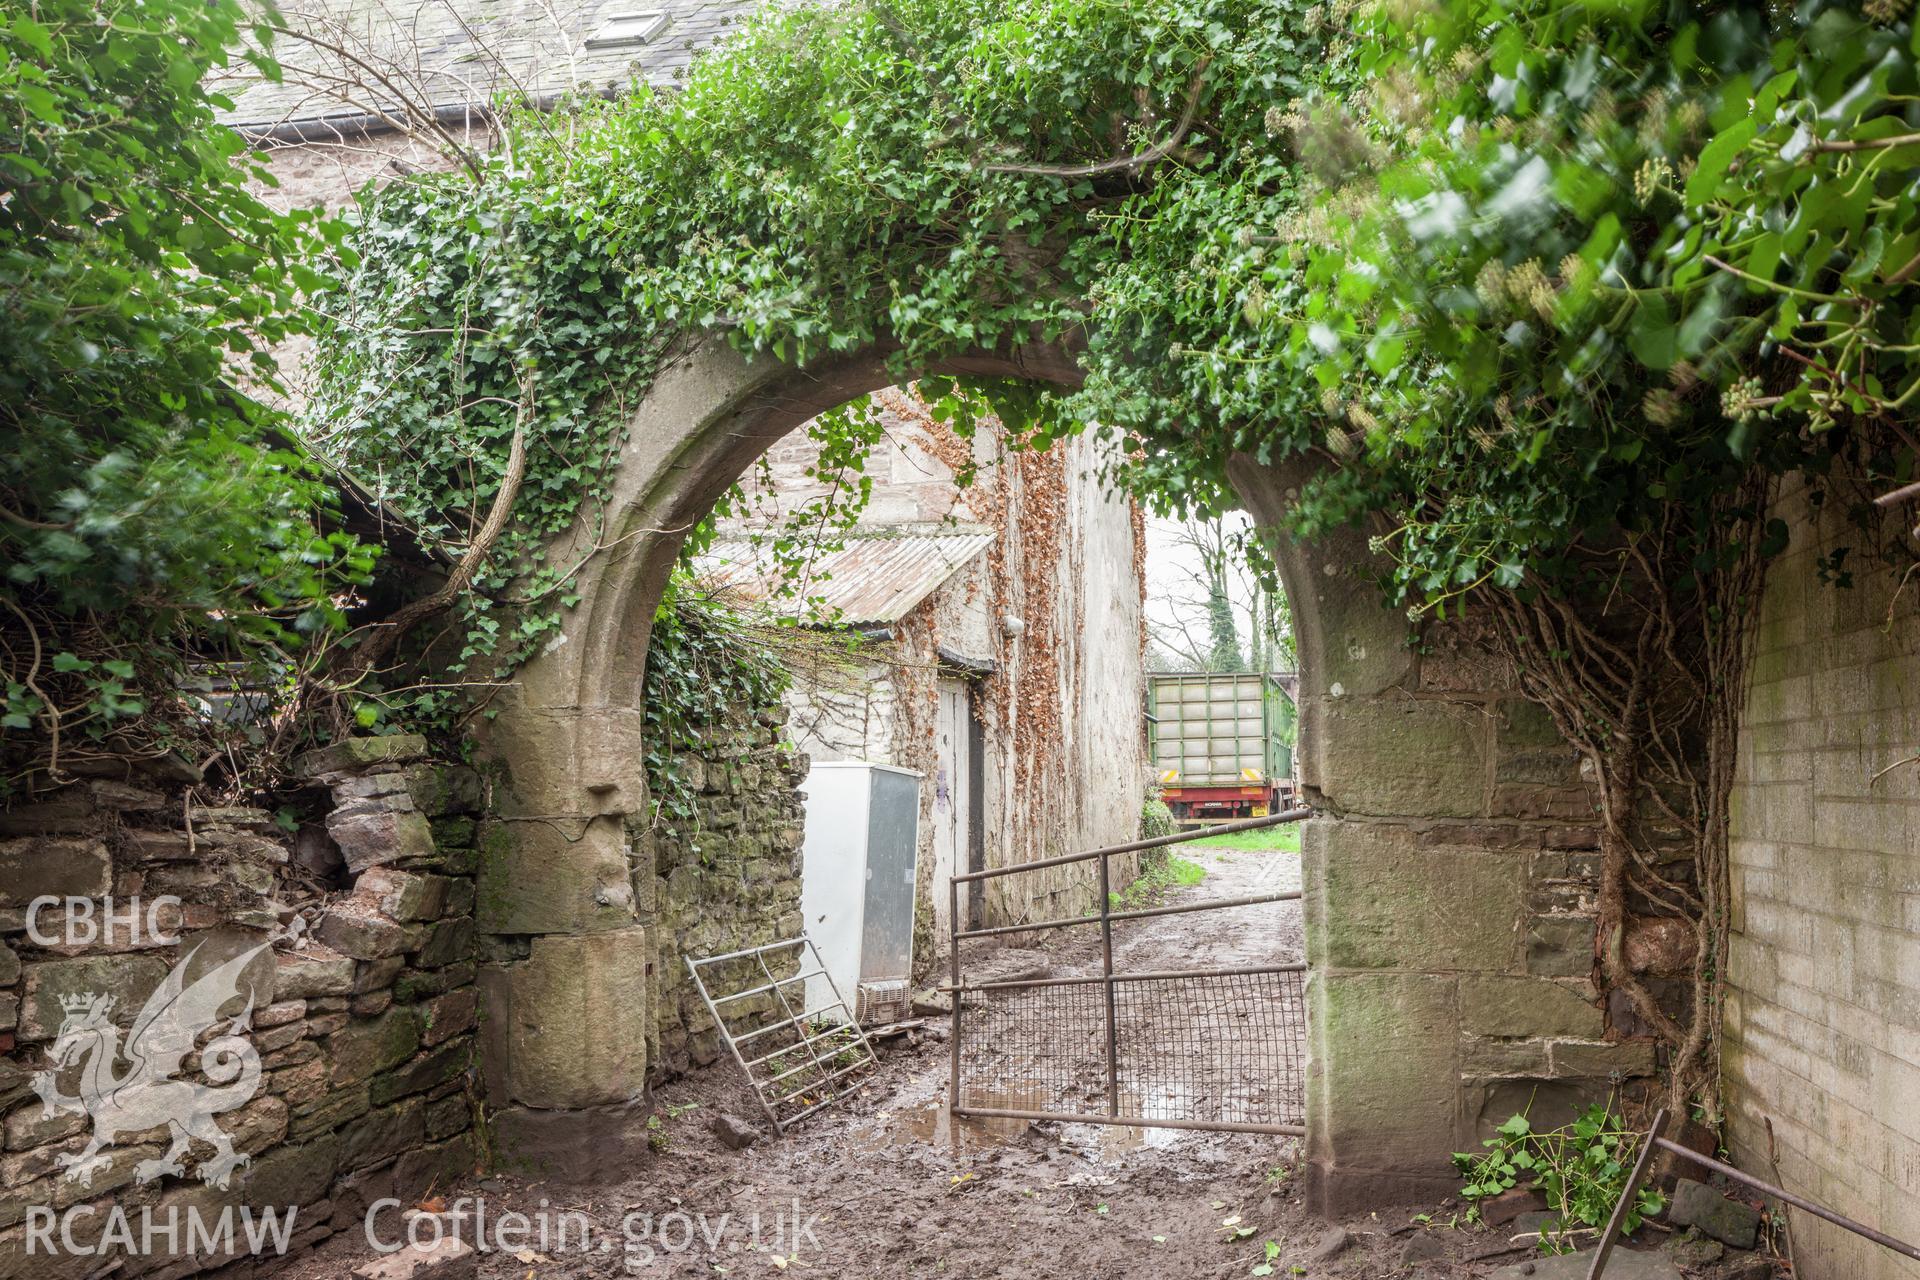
[1001,656]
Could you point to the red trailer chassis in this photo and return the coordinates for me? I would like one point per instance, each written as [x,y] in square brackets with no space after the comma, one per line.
[1222,804]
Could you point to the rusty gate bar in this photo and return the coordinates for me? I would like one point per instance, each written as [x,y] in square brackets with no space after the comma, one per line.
[1009,984]
[1139,846]
[1106,972]
[957,988]
[1653,1140]
[1144,913]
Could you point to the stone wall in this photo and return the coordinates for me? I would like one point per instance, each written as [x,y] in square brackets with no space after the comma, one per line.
[359,997]
[1450,882]
[1823,1016]
[727,879]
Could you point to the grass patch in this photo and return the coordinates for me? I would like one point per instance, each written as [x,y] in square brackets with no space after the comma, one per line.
[1159,872]
[1285,838]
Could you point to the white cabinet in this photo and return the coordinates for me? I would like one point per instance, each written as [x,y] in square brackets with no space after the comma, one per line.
[857,881]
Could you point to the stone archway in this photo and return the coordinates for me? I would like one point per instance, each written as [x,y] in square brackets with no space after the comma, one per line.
[1451,959]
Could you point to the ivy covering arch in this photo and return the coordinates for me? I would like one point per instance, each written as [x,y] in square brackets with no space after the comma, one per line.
[1547,292]
[1542,294]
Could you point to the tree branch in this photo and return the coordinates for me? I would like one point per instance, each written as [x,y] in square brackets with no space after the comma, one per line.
[1124,164]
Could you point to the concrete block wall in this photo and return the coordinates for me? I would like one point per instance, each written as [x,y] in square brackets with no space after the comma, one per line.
[1822,1022]
[361,996]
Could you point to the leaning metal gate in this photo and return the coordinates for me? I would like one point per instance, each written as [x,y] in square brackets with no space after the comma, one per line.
[1219,1048]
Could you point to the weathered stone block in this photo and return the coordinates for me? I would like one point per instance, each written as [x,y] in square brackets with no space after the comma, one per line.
[15,1082]
[1662,945]
[372,833]
[419,984]
[321,1025]
[273,1039]
[53,867]
[449,942]
[9,966]
[448,1116]
[1634,1264]
[443,789]
[260,1124]
[1530,748]
[383,1134]
[129,979]
[32,1127]
[300,1085]
[535,878]
[435,1165]
[361,753]
[428,1071]
[370,1005]
[292,1174]
[364,1049]
[311,972]
[452,833]
[569,1026]
[1391,1066]
[330,1112]
[1548,1103]
[1403,757]
[1625,1059]
[377,975]
[402,895]
[355,927]
[1560,946]
[1385,903]
[1527,1007]
[70,811]
[461,896]
[449,1015]
[294,1054]
[259,980]
[1701,1207]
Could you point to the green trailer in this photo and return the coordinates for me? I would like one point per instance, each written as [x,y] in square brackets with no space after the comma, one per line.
[1221,743]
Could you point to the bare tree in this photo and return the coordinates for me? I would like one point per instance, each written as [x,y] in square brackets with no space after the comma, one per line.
[1218,608]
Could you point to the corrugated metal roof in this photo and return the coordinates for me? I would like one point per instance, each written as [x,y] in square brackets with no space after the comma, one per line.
[463,53]
[873,580]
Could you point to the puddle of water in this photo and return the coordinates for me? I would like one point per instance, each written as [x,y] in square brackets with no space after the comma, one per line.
[930,1122]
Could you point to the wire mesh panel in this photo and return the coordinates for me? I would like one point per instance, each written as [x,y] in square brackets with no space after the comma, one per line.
[1219,1048]
[798,1058]
[1199,1049]
[1036,1048]
[1225,1047]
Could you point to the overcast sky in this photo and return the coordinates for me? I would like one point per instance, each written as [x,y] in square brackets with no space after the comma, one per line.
[1174,593]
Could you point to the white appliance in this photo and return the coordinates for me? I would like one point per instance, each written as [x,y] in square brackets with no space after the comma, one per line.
[859,862]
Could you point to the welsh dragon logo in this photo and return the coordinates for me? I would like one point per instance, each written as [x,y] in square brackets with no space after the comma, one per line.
[146,1096]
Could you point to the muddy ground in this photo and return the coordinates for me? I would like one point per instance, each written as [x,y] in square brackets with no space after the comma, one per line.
[886,1186]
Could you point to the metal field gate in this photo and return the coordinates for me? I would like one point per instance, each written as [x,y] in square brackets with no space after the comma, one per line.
[1207,1048]
[799,1056]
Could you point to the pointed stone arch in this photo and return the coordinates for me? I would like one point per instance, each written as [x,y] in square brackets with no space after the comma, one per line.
[1449,967]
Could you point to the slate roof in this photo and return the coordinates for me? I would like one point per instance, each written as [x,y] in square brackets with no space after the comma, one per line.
[874,580]
[462,53]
